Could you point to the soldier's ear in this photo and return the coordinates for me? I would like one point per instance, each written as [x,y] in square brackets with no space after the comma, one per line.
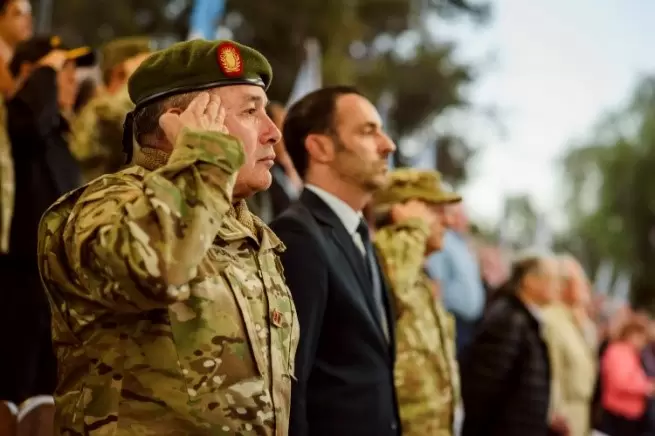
[174,110]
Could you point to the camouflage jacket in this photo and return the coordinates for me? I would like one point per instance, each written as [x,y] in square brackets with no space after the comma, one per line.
[170,311]
[7,182]
[97,132]
[426,372]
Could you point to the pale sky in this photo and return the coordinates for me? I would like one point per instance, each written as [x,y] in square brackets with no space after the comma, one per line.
[557,66]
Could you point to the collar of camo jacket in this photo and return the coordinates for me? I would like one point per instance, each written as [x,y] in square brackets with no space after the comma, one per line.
[251,226]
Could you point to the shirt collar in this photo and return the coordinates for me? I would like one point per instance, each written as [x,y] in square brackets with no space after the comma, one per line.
[349,217]
[535,311]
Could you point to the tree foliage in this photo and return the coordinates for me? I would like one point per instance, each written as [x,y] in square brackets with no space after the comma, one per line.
[611,195]
[359,41]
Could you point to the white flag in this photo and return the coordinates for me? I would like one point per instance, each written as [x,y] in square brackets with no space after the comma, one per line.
[310,76]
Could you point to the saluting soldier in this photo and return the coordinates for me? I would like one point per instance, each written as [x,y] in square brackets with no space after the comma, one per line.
[96,133]
[409,218]
[170,311]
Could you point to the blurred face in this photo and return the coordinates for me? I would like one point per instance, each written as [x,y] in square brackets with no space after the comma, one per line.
[122,72]
[576,289]
[67,87]
[359,147]
[16,22]
[541,284]
[246,119]
[131,64]
[438,228]
[638,339]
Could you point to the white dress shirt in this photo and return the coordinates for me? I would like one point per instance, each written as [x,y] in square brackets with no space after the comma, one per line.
[349,217]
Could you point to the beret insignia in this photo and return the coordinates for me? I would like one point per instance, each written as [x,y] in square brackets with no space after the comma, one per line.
[229,59]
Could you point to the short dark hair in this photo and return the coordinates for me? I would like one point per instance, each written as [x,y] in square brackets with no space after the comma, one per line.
[146,118]
[314,113]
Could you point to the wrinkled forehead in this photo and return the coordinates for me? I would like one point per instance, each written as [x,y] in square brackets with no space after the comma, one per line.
[241,95]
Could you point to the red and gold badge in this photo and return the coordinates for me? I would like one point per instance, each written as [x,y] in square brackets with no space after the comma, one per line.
[276,318]
[229,59]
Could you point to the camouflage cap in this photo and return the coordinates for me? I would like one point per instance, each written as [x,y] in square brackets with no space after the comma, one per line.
[119,50]
[411,184]
[197,65]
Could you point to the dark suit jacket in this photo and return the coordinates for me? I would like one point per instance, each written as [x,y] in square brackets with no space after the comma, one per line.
[506,374]
[344,364]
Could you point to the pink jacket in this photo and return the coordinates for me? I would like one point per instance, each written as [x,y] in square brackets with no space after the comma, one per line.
[625,384]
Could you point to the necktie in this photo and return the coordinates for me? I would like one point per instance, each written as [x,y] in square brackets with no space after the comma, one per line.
[374,275]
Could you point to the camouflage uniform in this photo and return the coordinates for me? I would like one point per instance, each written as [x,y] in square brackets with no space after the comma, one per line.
[426,371]
[138,355]
[171,315]
[7,183]
[96,134]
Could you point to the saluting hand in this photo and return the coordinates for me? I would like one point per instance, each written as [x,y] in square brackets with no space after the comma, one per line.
[412,209]
[203,113]
[55,60]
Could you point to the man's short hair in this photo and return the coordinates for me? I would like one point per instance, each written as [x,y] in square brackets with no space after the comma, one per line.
[146,118]
[314,113]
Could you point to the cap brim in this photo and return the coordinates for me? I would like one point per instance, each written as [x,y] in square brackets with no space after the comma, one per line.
[83,56]
[446,198]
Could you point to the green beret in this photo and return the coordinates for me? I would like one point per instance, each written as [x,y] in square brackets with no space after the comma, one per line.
[119,50]
[197,65]
[411,184]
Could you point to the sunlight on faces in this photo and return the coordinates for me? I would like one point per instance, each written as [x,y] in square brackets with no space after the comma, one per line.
[246,119]
[359,147]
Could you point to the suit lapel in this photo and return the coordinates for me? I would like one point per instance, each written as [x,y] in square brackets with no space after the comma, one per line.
[355,260]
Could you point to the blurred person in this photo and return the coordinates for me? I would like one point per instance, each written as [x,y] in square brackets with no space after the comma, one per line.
[493,269]
[614,316]
[410,222]
[170,311]
[44,170]
[648,362]
[626,388]
[96,133]
[457,269]
[345,359]
[87,91]
[15,27]
[506,380]
[572,349]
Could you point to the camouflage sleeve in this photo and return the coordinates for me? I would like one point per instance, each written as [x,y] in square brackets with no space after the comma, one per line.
[135,244]
[7,182]
[402,252]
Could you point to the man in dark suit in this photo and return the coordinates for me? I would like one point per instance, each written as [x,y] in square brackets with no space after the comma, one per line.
[345,359]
